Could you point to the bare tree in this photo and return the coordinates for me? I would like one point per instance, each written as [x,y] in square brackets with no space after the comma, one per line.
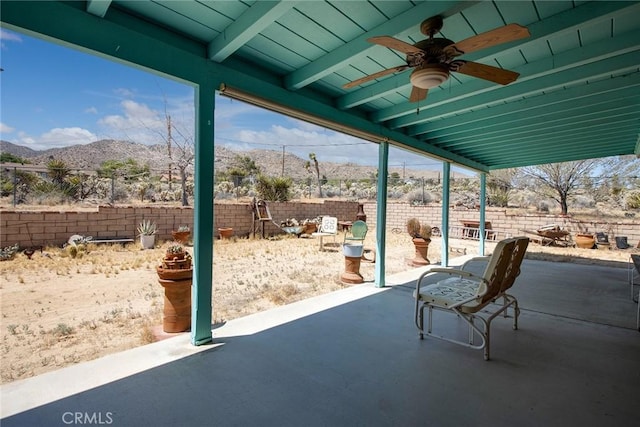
[180,148]
[560,180]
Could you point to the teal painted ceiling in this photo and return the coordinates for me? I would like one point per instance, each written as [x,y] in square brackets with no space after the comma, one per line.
[577,96]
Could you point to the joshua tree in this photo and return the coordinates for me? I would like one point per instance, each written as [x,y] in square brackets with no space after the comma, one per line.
[312,157]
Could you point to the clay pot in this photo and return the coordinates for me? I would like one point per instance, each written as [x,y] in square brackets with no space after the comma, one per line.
[310,227]
[181,236]
[174,273]
[585,241]
[225,233]
[177,305]
[422,248]
[352,257]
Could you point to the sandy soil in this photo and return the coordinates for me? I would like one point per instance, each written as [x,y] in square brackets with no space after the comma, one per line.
[58,310]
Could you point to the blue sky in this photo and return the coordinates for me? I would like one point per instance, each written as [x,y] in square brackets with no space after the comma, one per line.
[53,96]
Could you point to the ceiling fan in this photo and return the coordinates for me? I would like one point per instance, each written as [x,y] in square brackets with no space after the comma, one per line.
[434,58]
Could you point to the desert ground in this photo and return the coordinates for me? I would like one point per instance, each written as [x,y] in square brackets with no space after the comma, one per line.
[58,309]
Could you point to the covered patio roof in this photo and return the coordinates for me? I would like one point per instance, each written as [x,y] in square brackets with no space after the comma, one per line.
[577,97]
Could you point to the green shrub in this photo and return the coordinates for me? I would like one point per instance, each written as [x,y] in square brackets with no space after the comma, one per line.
[632,200]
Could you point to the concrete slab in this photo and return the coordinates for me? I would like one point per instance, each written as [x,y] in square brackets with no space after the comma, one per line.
[353,357]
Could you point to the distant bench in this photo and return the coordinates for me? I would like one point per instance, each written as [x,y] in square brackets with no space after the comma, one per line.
[107,240]
[122,241]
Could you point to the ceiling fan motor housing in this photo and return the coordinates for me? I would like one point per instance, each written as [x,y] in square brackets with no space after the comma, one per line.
[428,76]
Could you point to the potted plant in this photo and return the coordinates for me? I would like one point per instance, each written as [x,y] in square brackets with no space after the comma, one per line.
[181,234]
[421,237]
[147,230]
[175,252]
[175,276]
[225,232]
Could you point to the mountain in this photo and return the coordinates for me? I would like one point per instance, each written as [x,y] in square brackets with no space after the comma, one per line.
[89,157]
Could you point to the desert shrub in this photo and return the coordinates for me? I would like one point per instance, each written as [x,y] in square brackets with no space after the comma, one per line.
[632,200]
[6,188]
[499,197]
[274,189]
[395,193]
[417,197]
[583,202]
[62,330]
[543,206]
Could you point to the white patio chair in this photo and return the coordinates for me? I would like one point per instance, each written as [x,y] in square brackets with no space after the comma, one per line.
[466,294]
[328,227]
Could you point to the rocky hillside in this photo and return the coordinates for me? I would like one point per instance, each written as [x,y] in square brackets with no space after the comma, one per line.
[90,156]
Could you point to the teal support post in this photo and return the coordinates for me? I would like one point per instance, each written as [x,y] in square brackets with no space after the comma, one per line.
[446,173]
[381,212]
[483,205]
[203,217]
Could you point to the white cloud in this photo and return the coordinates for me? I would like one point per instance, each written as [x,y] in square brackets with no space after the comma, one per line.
[63,137]
[91,110]
[56,138]
[5,128]
[137,123]
[124,92]
[8,36]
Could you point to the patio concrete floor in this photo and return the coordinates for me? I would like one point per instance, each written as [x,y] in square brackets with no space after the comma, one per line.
[353,358]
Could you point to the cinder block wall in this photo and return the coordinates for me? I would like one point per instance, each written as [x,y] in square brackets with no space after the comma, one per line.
[506,225]
[29,229]
[54,228]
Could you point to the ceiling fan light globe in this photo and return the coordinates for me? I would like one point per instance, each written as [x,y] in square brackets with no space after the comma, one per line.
[429,76]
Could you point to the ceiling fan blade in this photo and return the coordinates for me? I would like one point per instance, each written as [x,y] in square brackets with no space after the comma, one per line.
[487,72]
[490,38]
[418,94]
[375,76]
[393,43]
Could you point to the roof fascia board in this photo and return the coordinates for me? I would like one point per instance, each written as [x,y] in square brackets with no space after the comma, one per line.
[259,16]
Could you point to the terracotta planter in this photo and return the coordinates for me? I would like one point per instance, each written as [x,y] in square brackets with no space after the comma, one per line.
[351,273]
[422,248]
[177,305]
[174,273]
[176,264]
[585,241]
[225,233]
[309,228]
[174,256]
[181,236]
